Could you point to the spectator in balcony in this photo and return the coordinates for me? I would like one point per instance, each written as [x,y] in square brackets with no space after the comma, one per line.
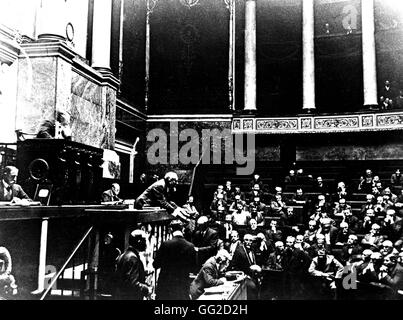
[211,274]
[399,100]
[176,258]
[9,189]
[7,281]
[373,240]
[160,194]
[387,91]
[130,275]
[386,103]
[396,179]
[366,184]
[112,194]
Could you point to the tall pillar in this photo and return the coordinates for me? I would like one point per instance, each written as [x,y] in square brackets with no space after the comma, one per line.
[369,53]
[250,55]
[308,56]
[52,20]
[101,34]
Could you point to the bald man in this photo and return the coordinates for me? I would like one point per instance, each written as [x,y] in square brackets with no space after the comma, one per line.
[159,194]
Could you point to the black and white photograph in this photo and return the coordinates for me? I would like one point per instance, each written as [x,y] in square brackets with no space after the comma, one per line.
[201,152]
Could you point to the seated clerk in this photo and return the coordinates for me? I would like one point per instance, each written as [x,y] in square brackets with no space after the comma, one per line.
[9,189]
[111,194]
[211,274]
[159,195]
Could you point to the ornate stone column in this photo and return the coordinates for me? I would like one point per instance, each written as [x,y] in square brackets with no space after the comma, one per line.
[52,20]
[250,56]
[308,56]
[101,35]
[369,53]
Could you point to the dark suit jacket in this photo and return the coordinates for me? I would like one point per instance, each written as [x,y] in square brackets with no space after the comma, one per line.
[206,243]
[130,276]
[395,277]
[240,261]
[176,258]
[208,276]
[108,195]
[156,195]
[16,192]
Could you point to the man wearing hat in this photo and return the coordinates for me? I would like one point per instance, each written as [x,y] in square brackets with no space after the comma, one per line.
[176,258]
[9,189]
[130,274]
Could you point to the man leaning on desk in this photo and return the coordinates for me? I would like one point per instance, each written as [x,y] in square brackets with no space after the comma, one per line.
[9,189]
[159,195]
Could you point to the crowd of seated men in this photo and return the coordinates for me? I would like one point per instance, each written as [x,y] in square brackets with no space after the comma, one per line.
[345,242]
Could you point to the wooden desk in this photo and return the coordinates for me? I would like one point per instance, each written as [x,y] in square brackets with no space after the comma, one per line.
[230,291]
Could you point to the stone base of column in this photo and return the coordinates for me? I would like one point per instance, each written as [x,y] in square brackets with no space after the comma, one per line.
[51,37]
[248,112]
[371,107]
[309,111]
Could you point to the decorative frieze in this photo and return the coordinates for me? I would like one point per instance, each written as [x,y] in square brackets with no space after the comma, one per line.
[321,124]
[336,123]
[277,124]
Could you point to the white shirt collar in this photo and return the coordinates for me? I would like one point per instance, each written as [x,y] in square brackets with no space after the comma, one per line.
[177,234]
[5,184]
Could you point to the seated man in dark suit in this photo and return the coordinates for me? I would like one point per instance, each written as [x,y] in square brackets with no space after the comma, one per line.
[9,189]
[391,273]
[111,194]
[159,194]
[211,274]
